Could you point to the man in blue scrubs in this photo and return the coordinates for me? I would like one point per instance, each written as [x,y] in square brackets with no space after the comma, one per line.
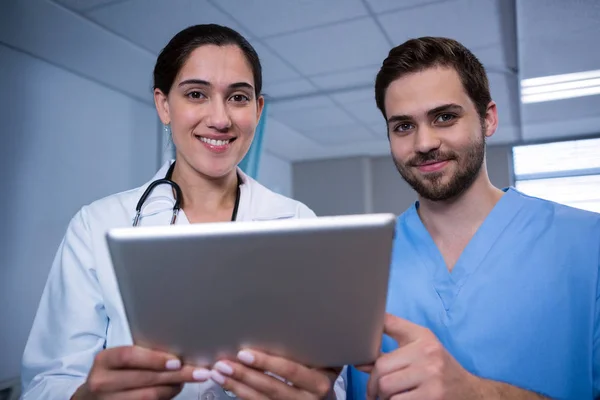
[493,294]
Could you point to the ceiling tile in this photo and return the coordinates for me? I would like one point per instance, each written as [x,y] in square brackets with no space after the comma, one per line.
[346,45]
[355,95]
[152,23]
[380,6]
[364,76]
[474,23]
[497,57]
[554,55]
[274,69]
[311,118]
[272,17]
[365,111]
[541,18]
[361,104]
[83,5]
[288,143]
[301,103]
[338,134]
[288,88]
[280,139]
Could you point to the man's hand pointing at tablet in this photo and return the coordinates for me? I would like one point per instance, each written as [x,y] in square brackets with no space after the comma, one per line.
[421,368]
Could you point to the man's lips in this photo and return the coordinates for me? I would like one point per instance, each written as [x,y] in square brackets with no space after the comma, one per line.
[432,166]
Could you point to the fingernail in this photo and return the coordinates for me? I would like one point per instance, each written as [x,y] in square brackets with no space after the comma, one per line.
[224,368]
[246,357]
[173,364]
[217,377]
[201,374]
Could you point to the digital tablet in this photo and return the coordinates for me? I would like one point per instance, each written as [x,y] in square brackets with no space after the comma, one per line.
[311,290]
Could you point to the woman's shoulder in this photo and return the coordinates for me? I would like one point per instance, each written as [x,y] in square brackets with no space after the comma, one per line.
[113,210]
[120,201]
[119,205]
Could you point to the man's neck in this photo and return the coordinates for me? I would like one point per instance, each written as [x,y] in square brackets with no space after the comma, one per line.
[204,198]
[462,215]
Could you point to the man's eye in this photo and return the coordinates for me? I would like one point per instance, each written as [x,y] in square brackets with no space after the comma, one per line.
[445,117]
[404,127]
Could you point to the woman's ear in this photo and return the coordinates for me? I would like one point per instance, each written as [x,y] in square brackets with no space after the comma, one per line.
[161,101]
[260,105]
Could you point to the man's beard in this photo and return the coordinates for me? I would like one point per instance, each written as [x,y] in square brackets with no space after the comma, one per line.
[430,186]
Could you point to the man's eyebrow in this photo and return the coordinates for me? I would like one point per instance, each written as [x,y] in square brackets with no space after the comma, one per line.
[450,107]
[398,118]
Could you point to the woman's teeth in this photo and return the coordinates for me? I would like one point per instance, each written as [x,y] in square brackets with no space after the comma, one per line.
[215,142]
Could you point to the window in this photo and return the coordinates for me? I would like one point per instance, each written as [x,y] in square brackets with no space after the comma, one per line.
[564,172]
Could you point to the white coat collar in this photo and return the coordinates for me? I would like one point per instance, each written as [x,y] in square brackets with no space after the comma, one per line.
[158,207]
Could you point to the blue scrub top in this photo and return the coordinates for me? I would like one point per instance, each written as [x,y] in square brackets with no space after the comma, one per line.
[521,304]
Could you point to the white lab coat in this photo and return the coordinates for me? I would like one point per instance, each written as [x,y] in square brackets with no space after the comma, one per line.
[81,311]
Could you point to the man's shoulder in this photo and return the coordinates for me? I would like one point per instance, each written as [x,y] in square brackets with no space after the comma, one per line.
[561,214]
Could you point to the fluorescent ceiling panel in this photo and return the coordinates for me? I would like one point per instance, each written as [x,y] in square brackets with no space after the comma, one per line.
[558,87]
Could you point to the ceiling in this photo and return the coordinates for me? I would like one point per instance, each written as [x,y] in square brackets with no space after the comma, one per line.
[320,58]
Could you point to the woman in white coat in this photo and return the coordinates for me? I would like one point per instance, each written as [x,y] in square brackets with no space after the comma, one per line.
[207,88]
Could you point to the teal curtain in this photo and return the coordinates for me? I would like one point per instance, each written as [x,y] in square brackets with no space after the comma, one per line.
[251,162]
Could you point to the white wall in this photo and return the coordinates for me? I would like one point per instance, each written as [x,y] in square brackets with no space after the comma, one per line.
[69,136]
[335,186]
[359,185]
[275,173]
[52,33]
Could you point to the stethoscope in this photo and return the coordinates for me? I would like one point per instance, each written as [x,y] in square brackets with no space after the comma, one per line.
[177,206]
[178,196]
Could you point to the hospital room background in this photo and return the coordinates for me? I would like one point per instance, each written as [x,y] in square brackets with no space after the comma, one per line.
[78,120]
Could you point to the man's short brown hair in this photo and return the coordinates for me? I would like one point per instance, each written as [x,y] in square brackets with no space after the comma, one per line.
[427,52]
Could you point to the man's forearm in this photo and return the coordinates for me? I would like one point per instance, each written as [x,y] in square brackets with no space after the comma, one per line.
[493,390]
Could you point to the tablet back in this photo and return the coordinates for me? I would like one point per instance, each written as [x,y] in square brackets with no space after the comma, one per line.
[313,290]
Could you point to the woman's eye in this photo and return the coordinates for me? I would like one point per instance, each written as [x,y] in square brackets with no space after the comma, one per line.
[195,95]
[238,98]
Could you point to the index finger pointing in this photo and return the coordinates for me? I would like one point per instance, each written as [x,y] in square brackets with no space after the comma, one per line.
[402,330]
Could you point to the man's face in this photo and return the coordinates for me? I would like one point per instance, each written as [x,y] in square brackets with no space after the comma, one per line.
[437,138]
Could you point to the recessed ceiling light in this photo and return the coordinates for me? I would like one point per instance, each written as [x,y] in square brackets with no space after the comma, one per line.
[558,87]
